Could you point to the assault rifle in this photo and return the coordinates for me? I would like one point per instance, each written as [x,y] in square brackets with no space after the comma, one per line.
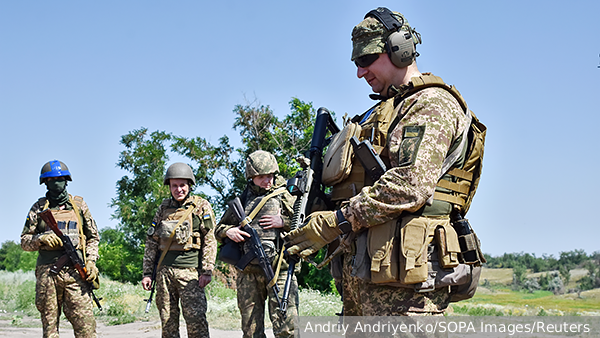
[152,285]
[257,251]
[71,254]
[306,185]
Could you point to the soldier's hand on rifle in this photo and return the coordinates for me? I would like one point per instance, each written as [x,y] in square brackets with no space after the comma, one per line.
[147,283]
[236,234]
[320,228]
[92,270]
[51,240]
[271,221]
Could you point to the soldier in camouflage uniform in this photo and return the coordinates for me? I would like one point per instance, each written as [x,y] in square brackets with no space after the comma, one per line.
[181,245]
[269,222]
[64,290]
[413,132]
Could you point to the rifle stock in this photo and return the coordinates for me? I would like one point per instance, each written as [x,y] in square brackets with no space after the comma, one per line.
[71,252]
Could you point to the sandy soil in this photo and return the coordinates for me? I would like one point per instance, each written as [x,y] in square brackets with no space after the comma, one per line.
[133,330]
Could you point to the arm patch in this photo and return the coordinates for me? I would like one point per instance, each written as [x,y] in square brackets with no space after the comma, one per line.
[409,147]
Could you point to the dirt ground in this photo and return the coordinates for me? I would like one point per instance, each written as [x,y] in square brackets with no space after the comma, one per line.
[133,330]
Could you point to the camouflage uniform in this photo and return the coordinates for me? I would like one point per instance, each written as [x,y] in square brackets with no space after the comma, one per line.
[66,290]
[252,290]
[413,142]
[177,277]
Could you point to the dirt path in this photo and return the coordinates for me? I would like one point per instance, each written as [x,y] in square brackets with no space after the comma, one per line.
[132,330]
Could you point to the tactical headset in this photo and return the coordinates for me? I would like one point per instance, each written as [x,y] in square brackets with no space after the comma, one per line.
[400,45]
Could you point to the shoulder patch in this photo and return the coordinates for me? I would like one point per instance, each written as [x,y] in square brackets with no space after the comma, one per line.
[411,139]
[152,229]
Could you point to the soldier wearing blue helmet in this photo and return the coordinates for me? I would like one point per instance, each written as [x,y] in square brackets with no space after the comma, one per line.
[59,287]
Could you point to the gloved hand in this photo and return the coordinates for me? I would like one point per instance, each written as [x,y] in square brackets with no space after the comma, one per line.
[92,270]
[320,228]
[51,240]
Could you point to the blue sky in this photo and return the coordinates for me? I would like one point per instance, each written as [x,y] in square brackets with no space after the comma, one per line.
[75,76]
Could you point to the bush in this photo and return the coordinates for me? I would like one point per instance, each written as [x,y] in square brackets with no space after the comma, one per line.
[13,258]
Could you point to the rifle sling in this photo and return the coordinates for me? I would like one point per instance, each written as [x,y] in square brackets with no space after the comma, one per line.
[259,206]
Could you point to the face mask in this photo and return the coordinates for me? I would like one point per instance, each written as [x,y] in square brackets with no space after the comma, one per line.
[56,186]
[57,191]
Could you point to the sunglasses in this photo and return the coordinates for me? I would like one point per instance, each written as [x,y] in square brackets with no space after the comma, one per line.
[366,60]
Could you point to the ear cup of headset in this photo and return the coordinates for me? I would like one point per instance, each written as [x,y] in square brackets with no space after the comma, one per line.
[401,48]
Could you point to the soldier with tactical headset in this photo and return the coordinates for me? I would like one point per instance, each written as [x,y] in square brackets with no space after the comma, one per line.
[271,220]
[181,247]
[401,242]
[61,287]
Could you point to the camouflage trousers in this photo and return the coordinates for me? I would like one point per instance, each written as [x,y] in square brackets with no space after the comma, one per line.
[66,291]
[252,292]
[175,285]
[362,298]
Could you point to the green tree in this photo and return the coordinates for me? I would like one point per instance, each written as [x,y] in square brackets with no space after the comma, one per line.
[138,197]
[592,279]
[13,258]
[519,275]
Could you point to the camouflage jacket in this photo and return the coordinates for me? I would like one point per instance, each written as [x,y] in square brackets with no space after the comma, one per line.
[204,216]
[30,237]
[428,123]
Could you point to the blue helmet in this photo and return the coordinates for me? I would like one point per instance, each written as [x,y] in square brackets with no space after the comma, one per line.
[54,169]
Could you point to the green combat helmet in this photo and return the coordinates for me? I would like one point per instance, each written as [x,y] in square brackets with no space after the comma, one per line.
[179,170]
[261,162]
[54,169]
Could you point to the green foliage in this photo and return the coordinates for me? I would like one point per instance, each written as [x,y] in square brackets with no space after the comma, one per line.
[138,197]
[592,279]
[519,276]
[565,273]
[118,259]
[477,310]
[529,261]
[13,258]
[312,278]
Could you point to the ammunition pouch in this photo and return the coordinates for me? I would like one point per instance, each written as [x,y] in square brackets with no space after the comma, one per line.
[415,252]
[416,234]
[382,246]
[184,239]
[448,246]
[470,246]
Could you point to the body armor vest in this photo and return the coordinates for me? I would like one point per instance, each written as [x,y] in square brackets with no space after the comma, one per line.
[186,237]
[69,223]
[268,237]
